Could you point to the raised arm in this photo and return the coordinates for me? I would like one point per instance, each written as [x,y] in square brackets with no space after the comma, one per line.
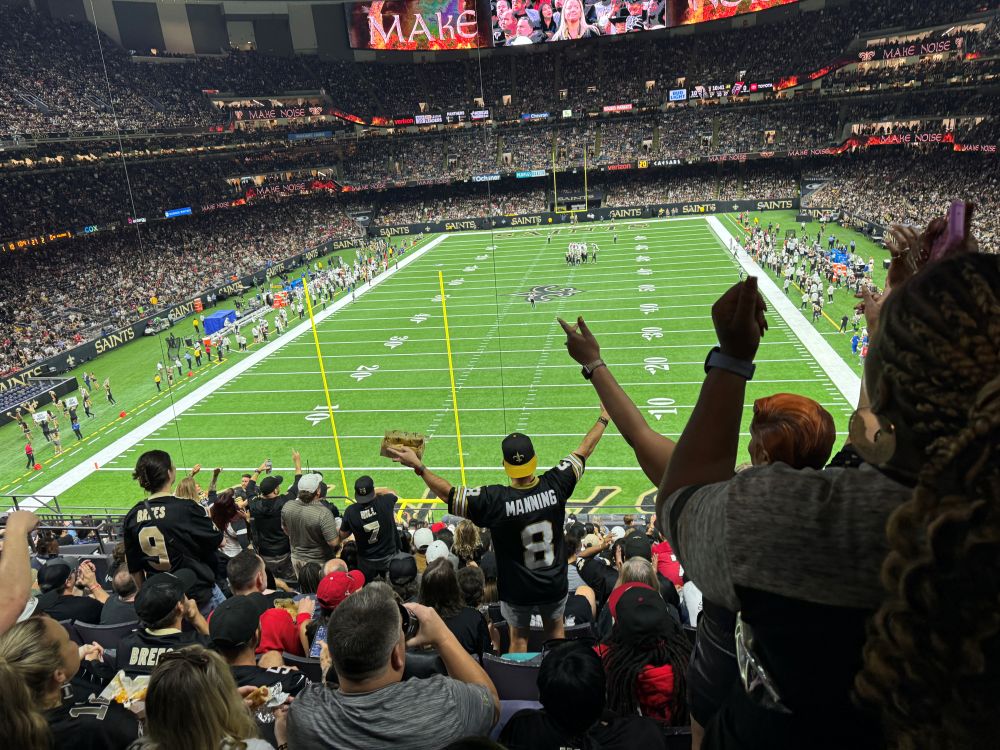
[652,450]
[593,436]
[706,450]
[15,568]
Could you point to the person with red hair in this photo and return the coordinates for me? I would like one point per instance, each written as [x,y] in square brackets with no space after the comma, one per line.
[792,429]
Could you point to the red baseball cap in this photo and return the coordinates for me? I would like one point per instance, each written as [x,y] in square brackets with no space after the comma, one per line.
[439,526]
[337,586]
[617,594]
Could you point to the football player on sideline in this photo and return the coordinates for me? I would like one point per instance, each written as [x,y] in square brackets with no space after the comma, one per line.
[526,519]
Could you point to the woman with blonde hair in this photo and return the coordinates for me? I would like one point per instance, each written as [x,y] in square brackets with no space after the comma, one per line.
[39,708]
[193,703]
[573,25]
[468,546]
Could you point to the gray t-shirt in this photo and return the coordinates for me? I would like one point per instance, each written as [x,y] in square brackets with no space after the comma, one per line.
[815,536]
[409,715]
[309,526]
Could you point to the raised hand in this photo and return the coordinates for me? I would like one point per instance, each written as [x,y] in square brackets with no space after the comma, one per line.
[580,342]
[739,321]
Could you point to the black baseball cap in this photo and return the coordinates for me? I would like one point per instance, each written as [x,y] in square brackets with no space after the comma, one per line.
[402,568]
[519,459]
[364,489]
[54,574]
[637,545]
[641,614]
[161,593]
[235,622]
[270,483]
[488,564]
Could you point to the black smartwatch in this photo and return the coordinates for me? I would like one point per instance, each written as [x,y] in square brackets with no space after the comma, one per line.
[724,362]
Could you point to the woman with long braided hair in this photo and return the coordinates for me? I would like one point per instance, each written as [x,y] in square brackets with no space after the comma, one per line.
[932,659]
[645,657]
[878,582]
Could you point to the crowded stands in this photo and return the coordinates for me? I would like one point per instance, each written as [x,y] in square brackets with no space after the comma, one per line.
[825,591]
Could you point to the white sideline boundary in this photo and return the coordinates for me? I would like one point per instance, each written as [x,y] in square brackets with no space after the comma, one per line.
[86,467]
[843,377]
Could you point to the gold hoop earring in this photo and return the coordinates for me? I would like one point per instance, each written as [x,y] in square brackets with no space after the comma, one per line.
[881,448]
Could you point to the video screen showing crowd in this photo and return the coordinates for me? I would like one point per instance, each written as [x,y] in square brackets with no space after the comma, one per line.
[517,22]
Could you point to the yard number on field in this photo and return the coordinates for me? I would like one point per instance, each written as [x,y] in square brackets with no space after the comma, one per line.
[395,341]
[647,288]
[319,413]
[654,364]
[651,332]
[363,372]
[419,318]
[645,272]
[649,307]
[642,258]
[657,407]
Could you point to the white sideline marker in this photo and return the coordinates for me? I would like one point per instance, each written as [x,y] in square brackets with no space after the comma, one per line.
[840,374]
[104,456]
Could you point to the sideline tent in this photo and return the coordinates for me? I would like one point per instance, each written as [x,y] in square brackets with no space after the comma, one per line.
[218,320]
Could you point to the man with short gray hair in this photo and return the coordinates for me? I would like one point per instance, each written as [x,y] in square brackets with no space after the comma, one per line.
[374,707]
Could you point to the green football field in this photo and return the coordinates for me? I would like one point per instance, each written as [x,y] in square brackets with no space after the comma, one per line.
[647,299]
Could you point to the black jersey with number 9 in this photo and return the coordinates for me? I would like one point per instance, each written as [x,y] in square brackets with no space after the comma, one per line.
[166,533]
[526,524]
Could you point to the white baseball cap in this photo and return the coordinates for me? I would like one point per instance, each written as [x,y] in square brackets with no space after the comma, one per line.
[435,550]
[422,537]
[617,532]
[310,483]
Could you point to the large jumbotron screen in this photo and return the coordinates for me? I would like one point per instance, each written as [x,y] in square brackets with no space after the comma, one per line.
[460,24]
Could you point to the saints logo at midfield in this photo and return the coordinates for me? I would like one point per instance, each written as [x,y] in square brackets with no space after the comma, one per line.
[548,292]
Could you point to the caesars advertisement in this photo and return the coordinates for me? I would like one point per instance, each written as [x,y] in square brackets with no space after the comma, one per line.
[466,24]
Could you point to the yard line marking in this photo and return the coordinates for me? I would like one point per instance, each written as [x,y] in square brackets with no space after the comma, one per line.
[650,383]
[836,369]
[86,467]
[440,435]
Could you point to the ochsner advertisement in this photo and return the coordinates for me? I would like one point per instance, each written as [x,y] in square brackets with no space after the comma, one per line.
[413,24]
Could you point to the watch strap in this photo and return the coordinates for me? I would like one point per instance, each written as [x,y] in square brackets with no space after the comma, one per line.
[740,367]
[588,370]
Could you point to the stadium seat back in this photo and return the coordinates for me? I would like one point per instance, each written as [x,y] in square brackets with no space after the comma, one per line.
[514,681]
[422,664]
[106,635]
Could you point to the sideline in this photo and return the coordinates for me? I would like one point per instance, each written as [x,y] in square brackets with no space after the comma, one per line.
[88,466]
[842,376]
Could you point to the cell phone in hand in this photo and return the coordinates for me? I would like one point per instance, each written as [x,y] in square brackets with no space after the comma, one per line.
[267,466]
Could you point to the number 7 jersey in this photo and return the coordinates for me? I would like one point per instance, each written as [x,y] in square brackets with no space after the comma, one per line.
[526,524]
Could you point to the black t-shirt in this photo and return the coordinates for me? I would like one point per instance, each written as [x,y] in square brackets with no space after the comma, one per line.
[265,523]
[469,627]
[374,527]
[173,533]
[526,524]
[292,681]
[600,575]
[81,724]
[534,730]
[81,608]
[139,652]
[116,611]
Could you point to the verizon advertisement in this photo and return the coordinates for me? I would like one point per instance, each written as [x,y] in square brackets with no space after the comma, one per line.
[413,25]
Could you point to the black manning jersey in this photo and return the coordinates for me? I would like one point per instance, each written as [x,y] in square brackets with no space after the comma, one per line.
[168,533]
[83,724]
[374,526]
[527,528]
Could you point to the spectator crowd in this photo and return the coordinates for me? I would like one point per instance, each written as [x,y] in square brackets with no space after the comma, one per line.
[260,612]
